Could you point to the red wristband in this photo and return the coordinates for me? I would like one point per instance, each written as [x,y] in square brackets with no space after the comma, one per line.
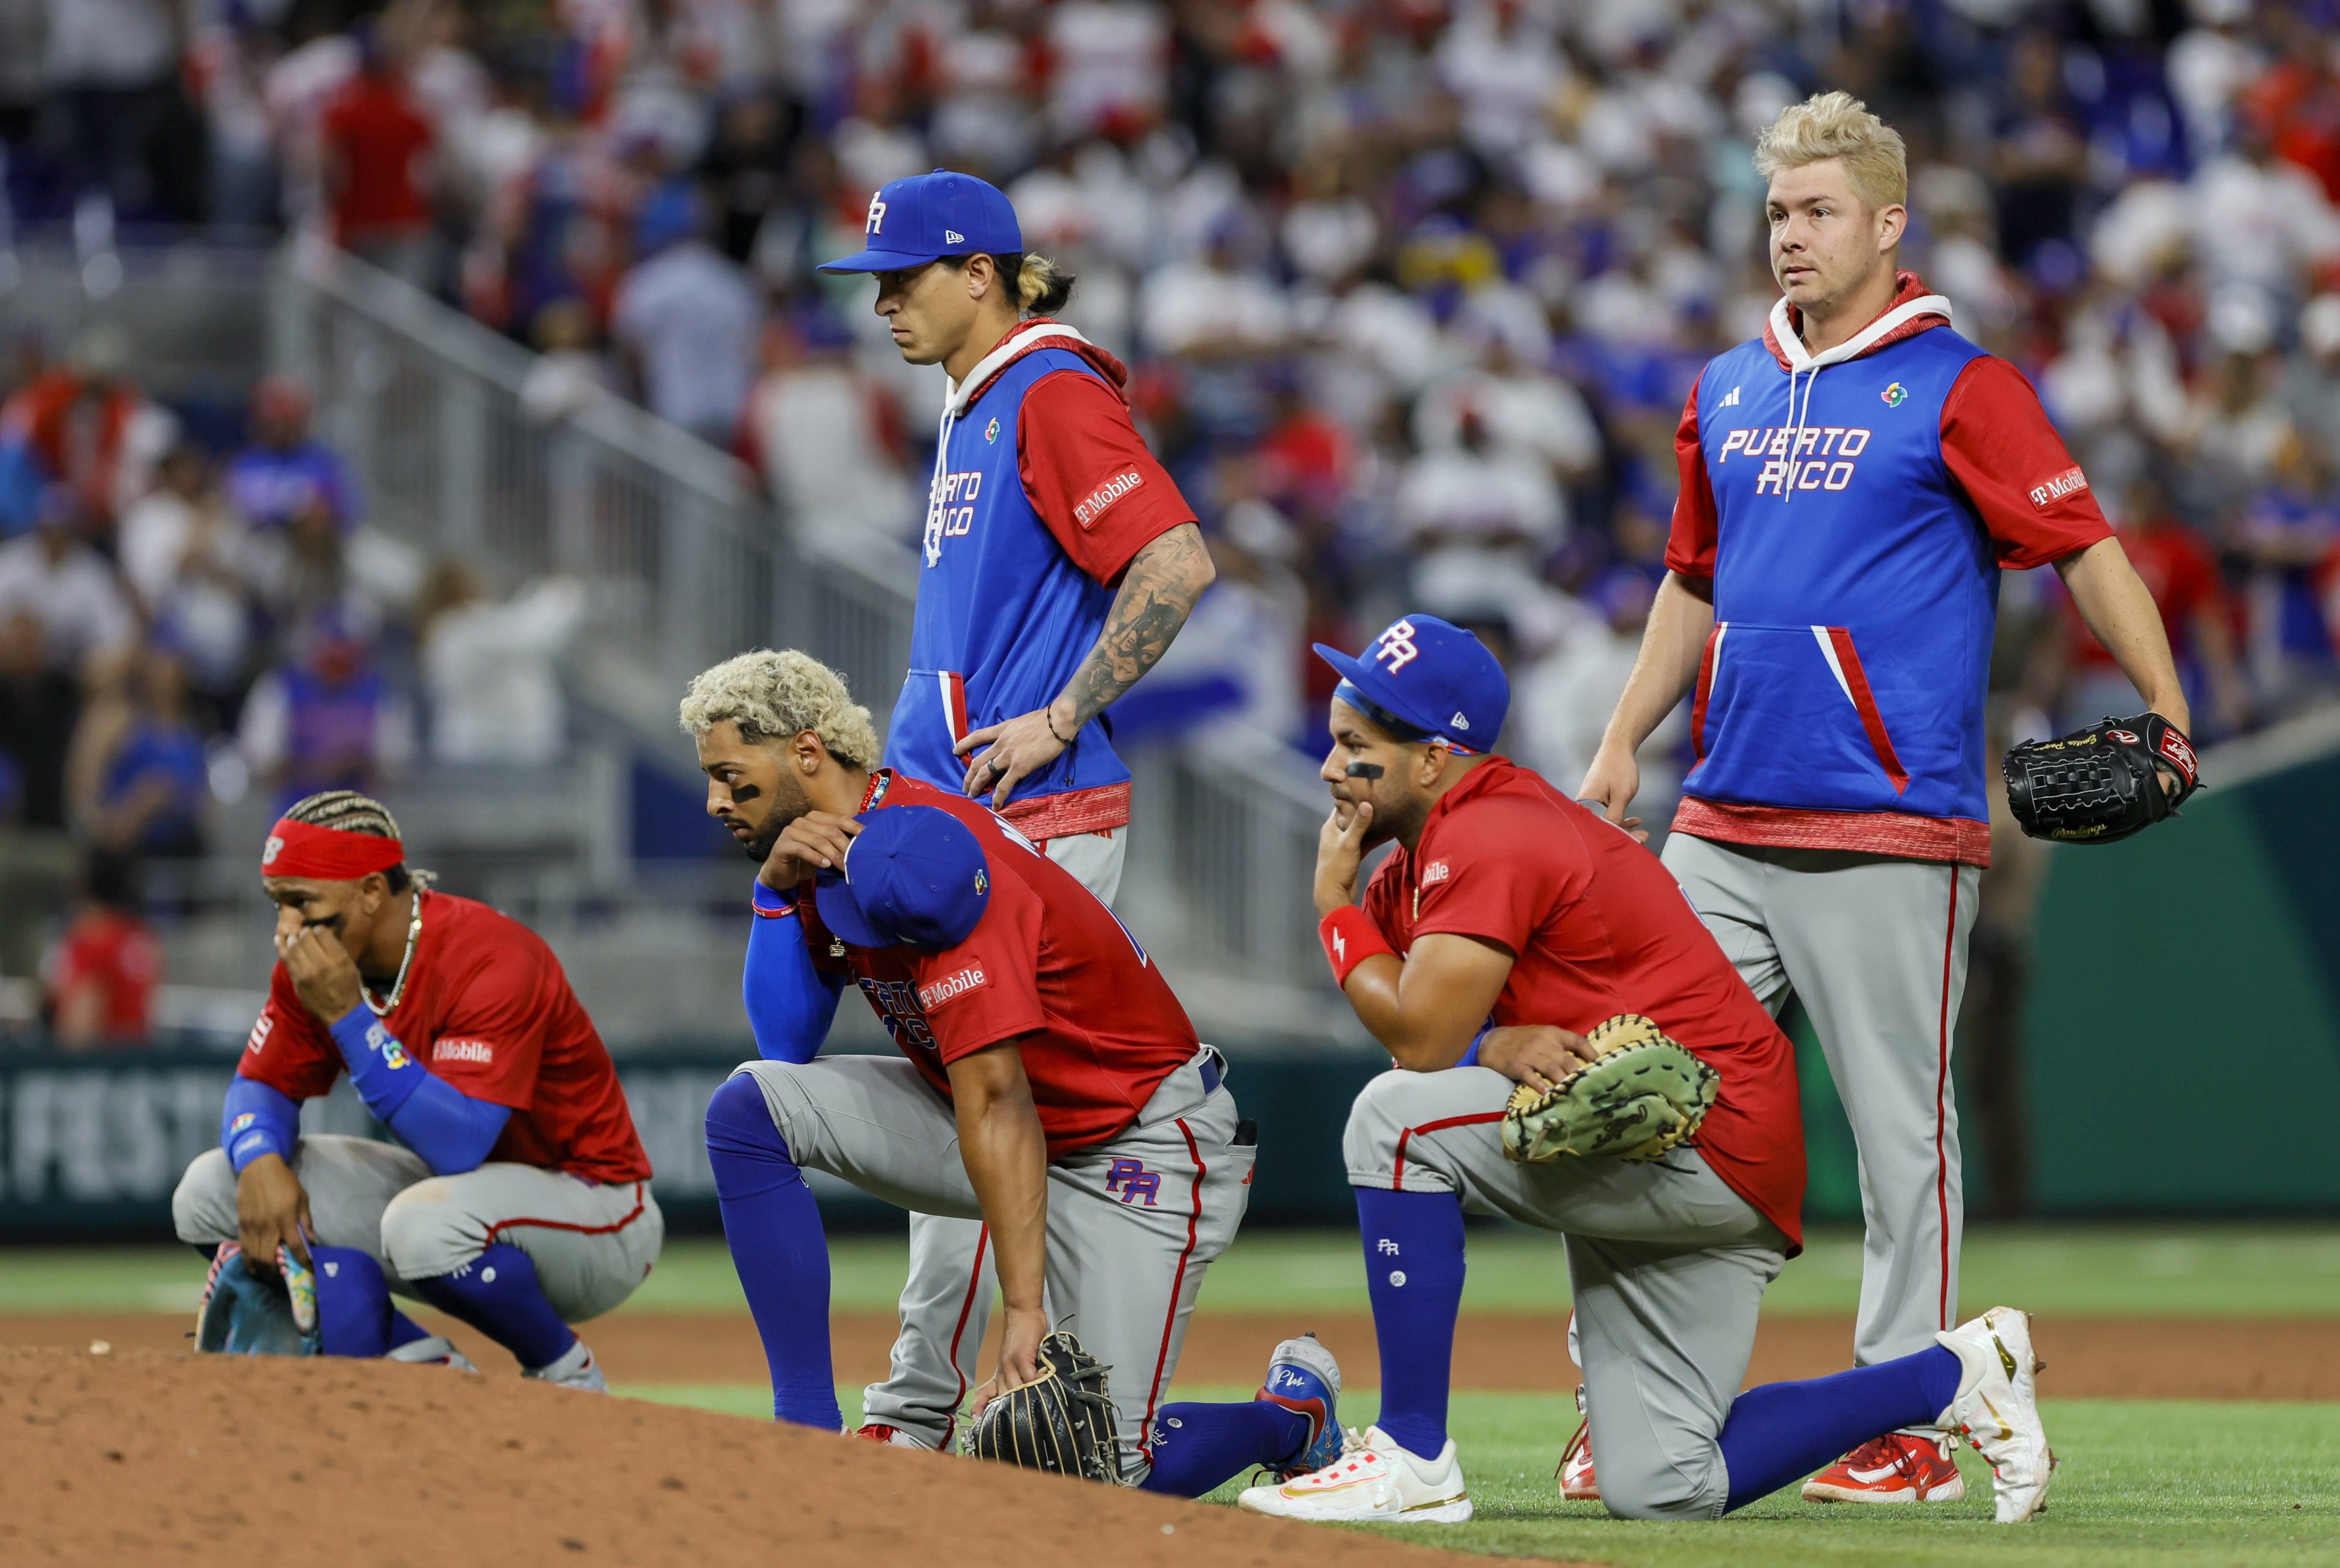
[1349,938]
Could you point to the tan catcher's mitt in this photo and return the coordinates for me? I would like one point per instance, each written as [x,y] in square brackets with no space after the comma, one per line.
[1645,1095]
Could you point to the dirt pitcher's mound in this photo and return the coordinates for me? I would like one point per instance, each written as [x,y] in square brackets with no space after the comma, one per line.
[148,1457]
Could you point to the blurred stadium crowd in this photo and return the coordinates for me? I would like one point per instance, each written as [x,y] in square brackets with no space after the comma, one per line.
[1413,291]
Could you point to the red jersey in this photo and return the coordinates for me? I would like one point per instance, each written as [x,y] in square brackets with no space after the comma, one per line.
[488,1010]
[1047,964]
[1598,927]
[117,954]
[373,127]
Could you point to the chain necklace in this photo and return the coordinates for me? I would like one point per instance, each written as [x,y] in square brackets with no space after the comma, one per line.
[397,987]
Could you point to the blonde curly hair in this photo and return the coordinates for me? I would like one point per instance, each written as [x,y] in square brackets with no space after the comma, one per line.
[773,696]
[1838,125]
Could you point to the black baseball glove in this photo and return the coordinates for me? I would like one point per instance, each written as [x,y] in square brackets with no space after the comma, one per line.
[1060,1422]
[2102,783]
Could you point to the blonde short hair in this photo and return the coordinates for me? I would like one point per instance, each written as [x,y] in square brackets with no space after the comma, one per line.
[1838,125]
[774,696]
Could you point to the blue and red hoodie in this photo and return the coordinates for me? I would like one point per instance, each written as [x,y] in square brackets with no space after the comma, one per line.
[1853,510]
[1042,491]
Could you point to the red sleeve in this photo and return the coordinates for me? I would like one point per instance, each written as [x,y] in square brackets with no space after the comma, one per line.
[1690,550]
[985,989]
[2015,469]
[1495,885]
[1087,473]
[288,1049]
[493,1041]
[1381,902]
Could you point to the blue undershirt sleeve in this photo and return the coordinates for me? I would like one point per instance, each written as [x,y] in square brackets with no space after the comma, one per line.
[257,1120]
[790,1004]
[450,1130]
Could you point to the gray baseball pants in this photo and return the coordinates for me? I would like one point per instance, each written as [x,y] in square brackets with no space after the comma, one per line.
[948,1299]
[1875,947]
[1667,1263]
[592,1243]
[1132,1223]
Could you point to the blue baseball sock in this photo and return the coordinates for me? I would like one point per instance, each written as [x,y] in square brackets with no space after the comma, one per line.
[1413,1272]
[772,1223]
[1784,1430]
[497,1293]
[1198,1446]
[404,1330]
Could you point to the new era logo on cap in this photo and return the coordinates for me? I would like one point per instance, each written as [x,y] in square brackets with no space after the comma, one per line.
[953,237]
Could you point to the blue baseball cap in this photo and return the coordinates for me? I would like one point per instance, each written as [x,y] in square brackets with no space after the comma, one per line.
[1424,678]
[924,217]
[914,875]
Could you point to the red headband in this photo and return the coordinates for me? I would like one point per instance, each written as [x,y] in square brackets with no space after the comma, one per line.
[326,854]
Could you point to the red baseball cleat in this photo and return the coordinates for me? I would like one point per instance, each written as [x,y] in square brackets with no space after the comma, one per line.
[1898,1467]
[892,1436]
[1575,1472]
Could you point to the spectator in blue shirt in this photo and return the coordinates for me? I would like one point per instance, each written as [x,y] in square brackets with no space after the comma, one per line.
[286,476]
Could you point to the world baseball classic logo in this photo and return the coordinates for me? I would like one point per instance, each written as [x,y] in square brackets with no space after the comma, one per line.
[1130,1180]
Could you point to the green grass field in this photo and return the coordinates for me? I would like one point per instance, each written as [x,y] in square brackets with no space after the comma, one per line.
[2142,1482]
[2211,1269]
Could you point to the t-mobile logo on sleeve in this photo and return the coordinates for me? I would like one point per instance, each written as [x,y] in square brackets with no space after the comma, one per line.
[1086,511]
[2071,482]
[950,988]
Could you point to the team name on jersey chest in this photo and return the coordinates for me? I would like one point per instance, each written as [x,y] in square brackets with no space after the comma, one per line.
[950,510]
[1824,457]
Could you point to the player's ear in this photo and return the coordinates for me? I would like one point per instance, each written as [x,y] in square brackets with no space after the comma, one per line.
[807,752]
[1891,223]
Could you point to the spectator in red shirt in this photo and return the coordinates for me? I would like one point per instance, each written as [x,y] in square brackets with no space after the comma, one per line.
[2181,574]
[103,973]
[378,160]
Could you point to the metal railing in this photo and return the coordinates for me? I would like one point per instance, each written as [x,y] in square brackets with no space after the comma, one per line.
[686,563]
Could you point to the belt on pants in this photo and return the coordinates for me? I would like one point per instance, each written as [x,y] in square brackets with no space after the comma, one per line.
[1214,1068]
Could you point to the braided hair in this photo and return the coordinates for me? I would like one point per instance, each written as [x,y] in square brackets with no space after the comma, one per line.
[347,811]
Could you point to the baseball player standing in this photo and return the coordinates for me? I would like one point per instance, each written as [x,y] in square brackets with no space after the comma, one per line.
[1058,562]
[1507,925]
[517,1196]
[1852,484]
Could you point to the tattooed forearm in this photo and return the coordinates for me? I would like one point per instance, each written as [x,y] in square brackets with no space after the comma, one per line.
[1157,593]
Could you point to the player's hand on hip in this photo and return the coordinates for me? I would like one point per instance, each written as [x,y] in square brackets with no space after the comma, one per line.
[816,841]
[1340,849]
[1611,784]
[1536,1055]
[1016,749]
[322,973]
[272,1210]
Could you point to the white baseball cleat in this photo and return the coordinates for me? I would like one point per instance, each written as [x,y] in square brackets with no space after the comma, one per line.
[1997,1408]
[577,1370]
[436,1350]
[1373,1481]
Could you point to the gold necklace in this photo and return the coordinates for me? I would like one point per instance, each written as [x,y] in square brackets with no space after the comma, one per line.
[397,987]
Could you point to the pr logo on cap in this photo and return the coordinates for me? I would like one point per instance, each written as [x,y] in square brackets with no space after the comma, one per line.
[876,225]
[1396,645]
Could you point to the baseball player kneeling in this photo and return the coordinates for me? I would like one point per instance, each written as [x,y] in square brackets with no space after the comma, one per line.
[517,1196]
[1049,1084]
[1574,1052]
